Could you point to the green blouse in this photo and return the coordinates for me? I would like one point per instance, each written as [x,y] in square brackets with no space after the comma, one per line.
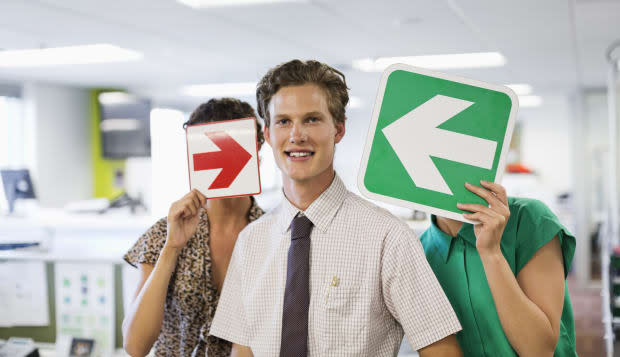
[458,268]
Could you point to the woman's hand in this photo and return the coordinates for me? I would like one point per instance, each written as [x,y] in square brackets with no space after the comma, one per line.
[183,218]
[493,219]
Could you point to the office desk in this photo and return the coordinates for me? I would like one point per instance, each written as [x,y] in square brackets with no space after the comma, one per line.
[88,239]
[74,237]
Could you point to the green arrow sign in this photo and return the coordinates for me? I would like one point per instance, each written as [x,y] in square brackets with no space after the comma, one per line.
[432,132]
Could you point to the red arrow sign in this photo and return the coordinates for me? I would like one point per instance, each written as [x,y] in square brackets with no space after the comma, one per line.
[231,158]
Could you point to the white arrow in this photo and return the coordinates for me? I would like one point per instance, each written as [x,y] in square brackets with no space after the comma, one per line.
[415,138]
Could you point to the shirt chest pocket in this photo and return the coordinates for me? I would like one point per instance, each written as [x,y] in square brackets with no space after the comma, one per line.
[343,322]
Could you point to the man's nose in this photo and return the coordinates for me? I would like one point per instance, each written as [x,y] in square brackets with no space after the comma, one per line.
[298,134]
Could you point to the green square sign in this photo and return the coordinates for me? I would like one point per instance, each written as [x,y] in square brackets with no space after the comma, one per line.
[432,132]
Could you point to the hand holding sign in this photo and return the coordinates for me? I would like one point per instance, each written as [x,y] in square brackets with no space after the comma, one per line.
[183,218]
[223,158]
[493,216]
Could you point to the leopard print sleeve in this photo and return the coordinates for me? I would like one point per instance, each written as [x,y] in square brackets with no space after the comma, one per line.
[149,245]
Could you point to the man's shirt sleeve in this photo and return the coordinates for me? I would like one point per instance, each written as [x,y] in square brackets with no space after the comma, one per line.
[230,321]
[412,293]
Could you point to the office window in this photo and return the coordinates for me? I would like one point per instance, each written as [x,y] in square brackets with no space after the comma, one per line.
[12,140]
[169,159]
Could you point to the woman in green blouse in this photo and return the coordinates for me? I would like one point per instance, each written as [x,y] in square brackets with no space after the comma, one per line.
[505,277]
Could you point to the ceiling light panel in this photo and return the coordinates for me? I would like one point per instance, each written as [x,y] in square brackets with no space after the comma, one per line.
[450,61]
[529,101]
[53,56]
[521,88]
[221,89]
[203,4]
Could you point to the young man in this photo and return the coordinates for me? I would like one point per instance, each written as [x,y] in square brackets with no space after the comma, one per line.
[326,273]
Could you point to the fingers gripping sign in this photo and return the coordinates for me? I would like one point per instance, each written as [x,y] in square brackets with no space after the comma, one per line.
[183,218]
[492,218]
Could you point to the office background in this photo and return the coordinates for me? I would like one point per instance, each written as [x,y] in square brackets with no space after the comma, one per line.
[179,54]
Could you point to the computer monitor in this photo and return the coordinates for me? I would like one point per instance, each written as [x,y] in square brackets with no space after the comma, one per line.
[17,185]
[125,125]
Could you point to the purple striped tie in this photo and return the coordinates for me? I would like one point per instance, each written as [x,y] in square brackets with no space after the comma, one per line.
[294,341]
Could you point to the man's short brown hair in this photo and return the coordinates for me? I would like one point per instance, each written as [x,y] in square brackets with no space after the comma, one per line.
[296,73]
[224,109]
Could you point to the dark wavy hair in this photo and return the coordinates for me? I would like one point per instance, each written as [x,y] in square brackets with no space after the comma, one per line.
[224,109]
[298,72]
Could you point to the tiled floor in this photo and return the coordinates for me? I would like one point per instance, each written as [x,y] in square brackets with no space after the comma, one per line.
[588,316]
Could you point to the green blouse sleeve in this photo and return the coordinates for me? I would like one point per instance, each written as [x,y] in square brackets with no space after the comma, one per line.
[537,226]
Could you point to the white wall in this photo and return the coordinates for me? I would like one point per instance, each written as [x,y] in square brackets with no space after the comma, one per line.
[590,166]
[57,147]
[546,142]
[170,178]
[596,139]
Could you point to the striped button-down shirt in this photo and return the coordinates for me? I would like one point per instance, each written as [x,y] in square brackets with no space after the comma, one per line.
[369,282]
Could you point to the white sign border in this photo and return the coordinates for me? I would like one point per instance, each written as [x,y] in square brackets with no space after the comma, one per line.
[189,176]
[373,126]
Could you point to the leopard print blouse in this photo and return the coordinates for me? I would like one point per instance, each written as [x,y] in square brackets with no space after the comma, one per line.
[192,297]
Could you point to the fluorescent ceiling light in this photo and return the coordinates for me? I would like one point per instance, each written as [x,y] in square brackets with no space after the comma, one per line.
[355,102]
[202,4]
[116,98]
[221,89]
[165,111]
[119,124]
[462,60]
[529,101]
[101,53]
[520,89]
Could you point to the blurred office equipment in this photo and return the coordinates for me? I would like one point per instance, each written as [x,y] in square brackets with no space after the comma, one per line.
[17,185]
[95,205]
[23,292]
[125,125]
[85,303]
[89,245]
[19,347]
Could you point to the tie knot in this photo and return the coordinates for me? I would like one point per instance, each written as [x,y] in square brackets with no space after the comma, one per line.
[300,227]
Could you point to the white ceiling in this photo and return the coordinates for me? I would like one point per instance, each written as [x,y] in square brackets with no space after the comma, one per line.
[556,46]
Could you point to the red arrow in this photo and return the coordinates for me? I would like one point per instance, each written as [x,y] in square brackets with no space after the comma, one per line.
[231,158]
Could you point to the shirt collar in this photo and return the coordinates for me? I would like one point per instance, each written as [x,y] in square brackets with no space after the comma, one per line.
[321,211]
[443,242]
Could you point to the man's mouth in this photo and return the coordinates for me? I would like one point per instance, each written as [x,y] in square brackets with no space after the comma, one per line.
[299,153]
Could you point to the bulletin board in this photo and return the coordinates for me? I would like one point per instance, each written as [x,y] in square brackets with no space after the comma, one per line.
[48,333]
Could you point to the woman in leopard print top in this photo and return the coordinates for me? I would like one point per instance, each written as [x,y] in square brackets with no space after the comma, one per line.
[183,260]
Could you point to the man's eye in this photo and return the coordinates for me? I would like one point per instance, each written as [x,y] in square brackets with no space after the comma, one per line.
[282,121]
[313,119]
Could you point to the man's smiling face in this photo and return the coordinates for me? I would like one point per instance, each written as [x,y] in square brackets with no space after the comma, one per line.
[302,133]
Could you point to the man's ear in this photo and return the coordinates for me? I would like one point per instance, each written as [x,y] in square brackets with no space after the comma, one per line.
[266,135]
[340,130]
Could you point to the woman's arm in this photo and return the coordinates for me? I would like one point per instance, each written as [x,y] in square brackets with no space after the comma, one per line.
[143,321]
[529,306]
[446,347]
